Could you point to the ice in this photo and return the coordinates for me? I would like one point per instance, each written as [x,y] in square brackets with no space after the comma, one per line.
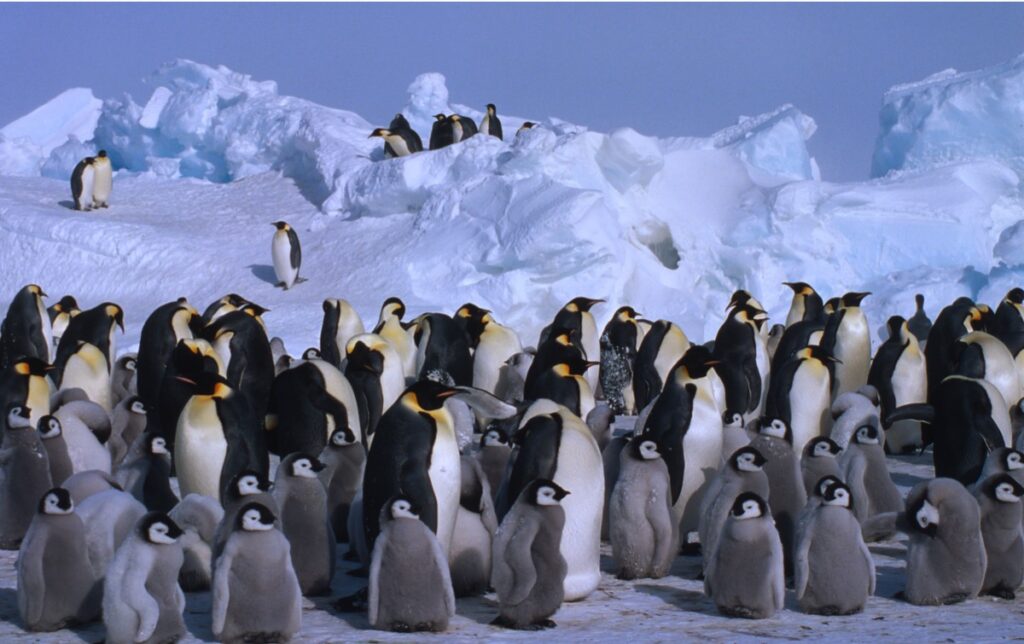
[73,112]
[19,157]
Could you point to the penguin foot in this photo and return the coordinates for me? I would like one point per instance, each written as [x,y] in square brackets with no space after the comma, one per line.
[1002,592]
[400,627]
[954,598]
[548,623]
[900,596]
[357,602]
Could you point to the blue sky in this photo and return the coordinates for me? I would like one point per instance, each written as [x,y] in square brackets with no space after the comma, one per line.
[663,69]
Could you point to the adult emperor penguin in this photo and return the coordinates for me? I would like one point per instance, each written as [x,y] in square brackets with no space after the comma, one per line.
[642,528]
[493,345]
[442,350]
[744,576]
[742,472]
[188,360]
[341,323]
[410,588]
[462,127]
[853,344]
[103,180]
[564,383]
[60,314]
[240,340]
[899,375]
[561,345]
[576,315]
[786,493]
[555,444]
[529,569]
[402,142]
[24,383]
[344,458]
[919,323]
[619,343]
[287,254]
[663,345]
[217,437]
[998,365]
[441,132]
[26,331]
[85,355]
[491,124]
[56,585]
[834,571]
[25,476]
[414,451]
[389,326]
[256,594]
[83,178]
[806,304]
[142,601]
[799,394]
[374,370]
[743,356]
[999,498]
[302,501]
[952,323]
[1008,322]
[945,553]
[165,327]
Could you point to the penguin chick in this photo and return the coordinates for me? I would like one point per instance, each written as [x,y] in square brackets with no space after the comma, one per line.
[81,423]
[82,485]
[52,436]
[256,596]
[198,516]
[819,459]
[109,518]
[24,475]
[834,572]
[529,569]
[410,586]
[494,456]
[124,378]
[248,486]
[1000,460]
[863,466]
[303,504]
[786,493]
[643,533]
[344,458]
[142,601]
[745,574]
[743,472]
[999,499]
[56,585]
[146,474]
[469,554]
[127,422]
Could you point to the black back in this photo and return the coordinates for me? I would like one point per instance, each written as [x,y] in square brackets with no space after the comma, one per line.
[539,441]
[252,362]
[667,425]
[446,351]
[963,430]
[21,333]
[646,381]
[156,343]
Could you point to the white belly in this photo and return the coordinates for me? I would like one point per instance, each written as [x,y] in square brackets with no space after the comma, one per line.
[88,179]
[87,370]
[1000,367]
[673,346]
[446,479]
[497,344]
[910,378]
[702,451]
[403,346]
[282,252]
[38,398]
[808,403]
[591,346]
[763,362]
[853,349]
[44,322]
[199,448]
[102,182]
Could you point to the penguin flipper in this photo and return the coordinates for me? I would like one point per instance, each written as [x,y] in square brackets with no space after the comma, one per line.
[221,586]
[485,403]
[373,596]
[519,556]
[871,565]
[801,567]
[779,580]
[31,581]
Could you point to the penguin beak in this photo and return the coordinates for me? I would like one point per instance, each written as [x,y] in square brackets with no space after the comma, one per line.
[711,363]
[447,393]
[187,381]
[590,364]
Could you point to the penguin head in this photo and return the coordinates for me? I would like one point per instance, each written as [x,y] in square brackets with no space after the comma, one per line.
[1004,488]
[49,427]
[819,353]
[924,517]
[102,154]
[128,363]
[159,529]
[115,313]
[896,326]
[751,315]
[18,416]
[747,459]
[381,132]
[741,297]
[255,517]
[343,437]
[1013,460]
[545,492]
[837,494]
[281,225]
[581,304]
[402,507]
[312,353]
[832,305]
[158,445]
[697,361]
[470,311]
[626,314]
[575,365]
[494,437]
[66,304]
[364,356]
[440,117]
[748,506]
[867,435]
[392,306]
[248,483]
[491,109]
[208,384]
[646,448]
[56,501]
[824,483]
[427,396]
[35,290]
[732,419]
[527,125]
[137,406]
[853,298]
[31,367]
[776,428]
[802,289]
[1015,295]
[822,447]
[303,465]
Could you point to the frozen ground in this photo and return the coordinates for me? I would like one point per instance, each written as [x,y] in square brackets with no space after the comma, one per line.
[670,609]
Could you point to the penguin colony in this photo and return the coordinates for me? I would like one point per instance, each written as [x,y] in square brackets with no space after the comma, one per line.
[454,460]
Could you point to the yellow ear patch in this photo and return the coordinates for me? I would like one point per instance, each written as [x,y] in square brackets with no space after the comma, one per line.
[563,340]
[22,368]
[561,369]
[220,390]
[572,308]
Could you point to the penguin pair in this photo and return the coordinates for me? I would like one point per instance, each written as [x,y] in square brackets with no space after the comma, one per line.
[91,182]
[448,130]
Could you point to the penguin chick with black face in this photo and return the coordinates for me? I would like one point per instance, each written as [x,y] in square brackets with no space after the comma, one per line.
[287,254]
[56,585]
[26,331]
[146,474]
[344,459]
[744,576]
[946,558]
[127,422]
[256,595]
[410,586]
[198,517]
[742,472]
[821,458]
[1003,460]
[642,528]
[529,569]
[834,571]
[25,470]
[864,469]
[302,500]
[124,379]
[142,601]
[248,486]
[52,436]
[402,142]
[999,499]
[491,124]
[786,493]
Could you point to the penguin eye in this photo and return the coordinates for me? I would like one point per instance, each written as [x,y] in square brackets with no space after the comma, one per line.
[130,365]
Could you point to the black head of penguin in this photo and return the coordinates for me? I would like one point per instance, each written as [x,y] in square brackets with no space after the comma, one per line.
[494,436]
[969,360]
[748,505]
[427,395]
[302,465]
[867,435]
[392,306]
[776,428]
[207,384]
[242,484]
[16,416]
[342,437]
[838,494]
[697,361]
[365,358]
[1003,487]
[22,326]
[823,484]
[923,516]
[543,492]
[893,325]
[832,305]
[56,501]
[814,309]
[740,297]
[747,459]
[398,122]
[311,353]
[820,446]
[853,298]
[30,367]
[473,320]
[158,528]
[255,517]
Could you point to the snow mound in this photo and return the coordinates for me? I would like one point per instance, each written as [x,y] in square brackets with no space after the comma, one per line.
[951,117]
[72,113]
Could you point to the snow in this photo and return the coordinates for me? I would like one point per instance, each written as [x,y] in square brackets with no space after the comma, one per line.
[73,112]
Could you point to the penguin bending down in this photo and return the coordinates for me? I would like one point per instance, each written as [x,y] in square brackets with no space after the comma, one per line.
[287,255]
[398,143]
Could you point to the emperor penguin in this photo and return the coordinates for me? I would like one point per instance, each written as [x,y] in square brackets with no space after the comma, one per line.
[742,472]
[24,475]
[576,315]
[287,254]
[559,346]
[390,327]
[307,403]
[527,125]
[786,493]
[25,383]
[999,498]
[834,571]
[198,517]
[26,331]
[165,327]
[663,345]
[799,395]
[341,324]
[127,422]
[188,360]
[214,438]
[401,124]
[56,585]
[493,347]
[441,132]
[241,341]
[865,471]
[565,384]
[462,127]
[410,588]
[60,315]
[374,370]
[491,124]
[945,553]
[806,304]
[85,356]
[820,459]
[899,375]
[248,486]
[998,365]
[256,594]
[952,323]
[853,344]
[223,306]
[1003,460]
[83,179]
[102,181]
[555,444]
[493,456]
[77,420]
[744,576]
[742,354]
[142,601]
[146,473]
[414,452]
[619,342]
[52,436]
[919,323]
[642,527]
[302,501]
[344,458]
[442,350]
[529,567]
[402,142]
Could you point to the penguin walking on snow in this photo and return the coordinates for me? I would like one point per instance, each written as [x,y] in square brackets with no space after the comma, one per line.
[287,255]
[83,178]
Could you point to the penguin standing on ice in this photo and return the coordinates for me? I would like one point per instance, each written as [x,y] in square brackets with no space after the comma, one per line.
[26,330]
[83,178]
[491,124]
[806,305]
[287,255]
[440,132]
[398,143]
[103,180]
